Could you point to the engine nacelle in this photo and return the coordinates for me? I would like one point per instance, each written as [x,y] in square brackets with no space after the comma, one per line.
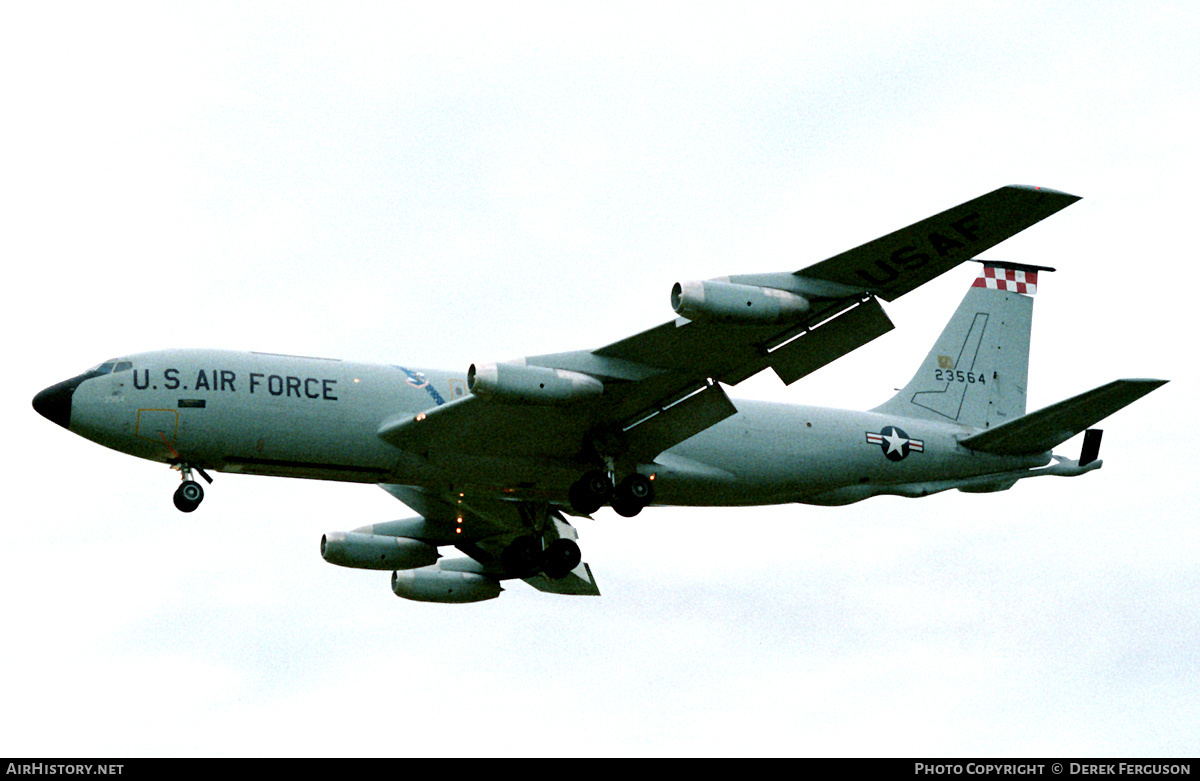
[722,301]
[435,585]
[373,551]
[533,384]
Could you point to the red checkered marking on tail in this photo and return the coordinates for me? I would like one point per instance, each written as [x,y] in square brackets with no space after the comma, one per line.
[1010,279]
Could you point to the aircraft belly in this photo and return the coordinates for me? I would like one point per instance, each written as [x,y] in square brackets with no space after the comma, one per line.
[262,438]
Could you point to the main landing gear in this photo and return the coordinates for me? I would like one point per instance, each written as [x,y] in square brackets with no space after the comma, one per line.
[541,549]
[525,557]
[595,489]
[189,494]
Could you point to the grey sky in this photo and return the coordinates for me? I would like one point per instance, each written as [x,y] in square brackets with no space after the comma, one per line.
[483,182]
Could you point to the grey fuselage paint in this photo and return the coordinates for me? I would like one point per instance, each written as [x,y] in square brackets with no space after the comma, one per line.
[289,416]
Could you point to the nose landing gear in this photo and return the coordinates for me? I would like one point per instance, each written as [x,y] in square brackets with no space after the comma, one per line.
[188,496]
[190,493]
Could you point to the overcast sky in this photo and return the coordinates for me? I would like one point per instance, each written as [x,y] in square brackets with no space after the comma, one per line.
[395,183]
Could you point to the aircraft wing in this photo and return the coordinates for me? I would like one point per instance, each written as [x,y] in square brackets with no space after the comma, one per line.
[663,385]
[901,261]
[482,528]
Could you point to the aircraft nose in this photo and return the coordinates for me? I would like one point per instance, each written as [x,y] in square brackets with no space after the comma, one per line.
[54,403]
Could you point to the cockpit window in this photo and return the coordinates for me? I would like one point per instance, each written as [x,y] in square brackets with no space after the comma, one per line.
[108,367]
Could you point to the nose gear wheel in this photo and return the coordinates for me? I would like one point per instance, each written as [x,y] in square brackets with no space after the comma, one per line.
[188,496]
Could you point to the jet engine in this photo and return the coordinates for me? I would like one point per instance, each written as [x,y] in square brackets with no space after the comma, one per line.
[373,551]
[435,585]
[729,302]
[533,384]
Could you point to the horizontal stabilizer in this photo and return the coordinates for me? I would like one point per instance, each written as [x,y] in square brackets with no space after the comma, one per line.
[1040,431]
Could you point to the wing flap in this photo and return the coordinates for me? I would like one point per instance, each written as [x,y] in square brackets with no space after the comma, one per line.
[1040,431]
[678,422]
[578,583]
[830,341]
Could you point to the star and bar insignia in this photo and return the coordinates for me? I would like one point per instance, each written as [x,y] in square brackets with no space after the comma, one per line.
[895,443]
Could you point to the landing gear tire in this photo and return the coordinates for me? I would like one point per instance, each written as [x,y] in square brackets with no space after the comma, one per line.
[626,508]
[560,558]
[522,558]
[590,492]
[188,496]
[638,488]
[634,493]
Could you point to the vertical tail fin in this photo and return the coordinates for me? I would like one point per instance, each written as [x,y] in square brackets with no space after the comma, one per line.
[977,371]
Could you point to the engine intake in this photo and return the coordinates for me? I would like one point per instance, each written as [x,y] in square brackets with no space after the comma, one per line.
[721,301]
[533,384]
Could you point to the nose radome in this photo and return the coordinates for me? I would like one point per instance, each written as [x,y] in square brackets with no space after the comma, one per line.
[54,403]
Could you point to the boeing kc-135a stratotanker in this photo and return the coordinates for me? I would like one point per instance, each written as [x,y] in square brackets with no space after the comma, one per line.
[495,460]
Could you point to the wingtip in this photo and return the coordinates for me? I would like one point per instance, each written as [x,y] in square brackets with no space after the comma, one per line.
[1046,191]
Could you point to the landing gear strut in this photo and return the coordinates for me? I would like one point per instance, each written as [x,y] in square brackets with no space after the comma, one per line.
[190,493]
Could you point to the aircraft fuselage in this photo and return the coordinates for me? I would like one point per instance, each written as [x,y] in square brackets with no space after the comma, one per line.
[289,416]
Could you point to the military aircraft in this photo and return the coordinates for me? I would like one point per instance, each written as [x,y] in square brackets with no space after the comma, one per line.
[495,460]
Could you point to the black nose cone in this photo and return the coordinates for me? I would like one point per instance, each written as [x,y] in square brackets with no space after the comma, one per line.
[54,403]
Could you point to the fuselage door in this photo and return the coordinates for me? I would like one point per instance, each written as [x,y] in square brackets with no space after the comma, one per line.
[157,425]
